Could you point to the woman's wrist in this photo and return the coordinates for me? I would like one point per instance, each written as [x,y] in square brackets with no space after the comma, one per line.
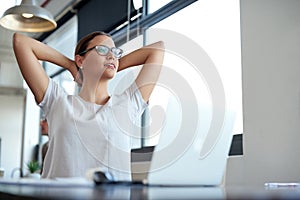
[72,68]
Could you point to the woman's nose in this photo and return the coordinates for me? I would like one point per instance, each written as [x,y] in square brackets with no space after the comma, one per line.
[110,56]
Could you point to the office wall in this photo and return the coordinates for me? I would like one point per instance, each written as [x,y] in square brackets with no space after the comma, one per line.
[32,128]
[12,99]
[10,75]
[11,117]
[271,93]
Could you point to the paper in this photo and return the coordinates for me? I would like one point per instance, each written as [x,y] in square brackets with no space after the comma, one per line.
[58,182]
[277,185]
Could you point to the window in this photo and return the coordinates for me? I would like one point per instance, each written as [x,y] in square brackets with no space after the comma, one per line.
[67,35]
[155,5]
[212,27]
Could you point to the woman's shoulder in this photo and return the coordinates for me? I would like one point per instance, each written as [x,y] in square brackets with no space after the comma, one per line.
[53,92]
[56,88]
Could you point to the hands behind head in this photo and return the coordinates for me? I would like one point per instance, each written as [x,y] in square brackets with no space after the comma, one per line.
[78,78]
[76,73]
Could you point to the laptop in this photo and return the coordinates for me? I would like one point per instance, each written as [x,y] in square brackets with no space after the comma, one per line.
[197,154]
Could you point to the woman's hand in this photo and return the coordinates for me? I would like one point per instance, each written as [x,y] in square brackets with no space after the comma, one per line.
[78,79]
[76,73]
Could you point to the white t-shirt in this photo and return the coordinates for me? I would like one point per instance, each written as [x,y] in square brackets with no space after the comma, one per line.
[84,135]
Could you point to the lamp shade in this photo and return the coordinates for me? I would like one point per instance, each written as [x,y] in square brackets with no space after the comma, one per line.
[28,17]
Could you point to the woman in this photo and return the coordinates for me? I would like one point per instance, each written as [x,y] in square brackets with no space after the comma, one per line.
[91,129]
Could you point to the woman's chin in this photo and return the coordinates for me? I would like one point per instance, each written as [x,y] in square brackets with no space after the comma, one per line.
[109,74]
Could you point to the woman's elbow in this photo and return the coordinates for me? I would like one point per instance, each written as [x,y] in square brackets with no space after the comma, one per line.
[161,49]
[17,40]
[160,44]
[21,41]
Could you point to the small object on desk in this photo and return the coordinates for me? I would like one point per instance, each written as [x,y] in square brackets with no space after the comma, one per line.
[101,177]
[279,185]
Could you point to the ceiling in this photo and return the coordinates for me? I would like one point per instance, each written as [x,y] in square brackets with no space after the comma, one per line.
[56,7]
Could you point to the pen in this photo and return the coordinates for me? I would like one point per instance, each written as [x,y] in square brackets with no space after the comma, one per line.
[273,185]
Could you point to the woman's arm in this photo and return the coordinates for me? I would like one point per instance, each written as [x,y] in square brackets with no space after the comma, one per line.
[151,57]
[28,52]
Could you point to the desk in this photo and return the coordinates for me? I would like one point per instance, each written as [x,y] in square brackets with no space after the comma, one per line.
[21,191]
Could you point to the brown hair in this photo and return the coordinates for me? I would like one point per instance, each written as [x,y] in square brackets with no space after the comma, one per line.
[84,42]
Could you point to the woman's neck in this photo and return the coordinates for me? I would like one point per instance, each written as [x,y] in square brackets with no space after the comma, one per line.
[95,93]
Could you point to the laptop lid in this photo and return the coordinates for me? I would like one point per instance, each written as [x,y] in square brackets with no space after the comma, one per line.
[197,153]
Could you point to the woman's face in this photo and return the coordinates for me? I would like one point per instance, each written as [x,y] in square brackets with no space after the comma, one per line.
[95,66]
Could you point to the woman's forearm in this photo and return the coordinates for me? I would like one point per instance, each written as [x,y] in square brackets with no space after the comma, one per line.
[28,52]
[151,57]
[41,51]
[140,56]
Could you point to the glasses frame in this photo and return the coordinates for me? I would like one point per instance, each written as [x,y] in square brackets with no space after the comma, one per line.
[110,50]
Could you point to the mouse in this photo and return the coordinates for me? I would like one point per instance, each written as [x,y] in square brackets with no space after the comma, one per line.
[101,177]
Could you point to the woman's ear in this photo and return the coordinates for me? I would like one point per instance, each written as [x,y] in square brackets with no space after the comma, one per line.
[78,60]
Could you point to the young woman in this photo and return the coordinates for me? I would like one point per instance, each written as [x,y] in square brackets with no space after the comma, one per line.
[92,129]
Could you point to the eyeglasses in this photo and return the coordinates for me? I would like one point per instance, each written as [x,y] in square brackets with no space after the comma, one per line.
[103,50]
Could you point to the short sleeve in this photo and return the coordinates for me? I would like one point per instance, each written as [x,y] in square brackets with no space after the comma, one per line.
[52,93]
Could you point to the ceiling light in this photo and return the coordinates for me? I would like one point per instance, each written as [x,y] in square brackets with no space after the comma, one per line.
[28,17]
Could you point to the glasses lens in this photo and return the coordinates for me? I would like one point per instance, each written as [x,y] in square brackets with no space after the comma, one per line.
[102,50]
[117,52]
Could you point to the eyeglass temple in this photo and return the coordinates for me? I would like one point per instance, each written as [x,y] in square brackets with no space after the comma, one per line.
[85,51]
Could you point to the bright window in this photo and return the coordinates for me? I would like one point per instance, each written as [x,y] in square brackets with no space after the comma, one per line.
[212,27]
[155,5]
[66,43]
